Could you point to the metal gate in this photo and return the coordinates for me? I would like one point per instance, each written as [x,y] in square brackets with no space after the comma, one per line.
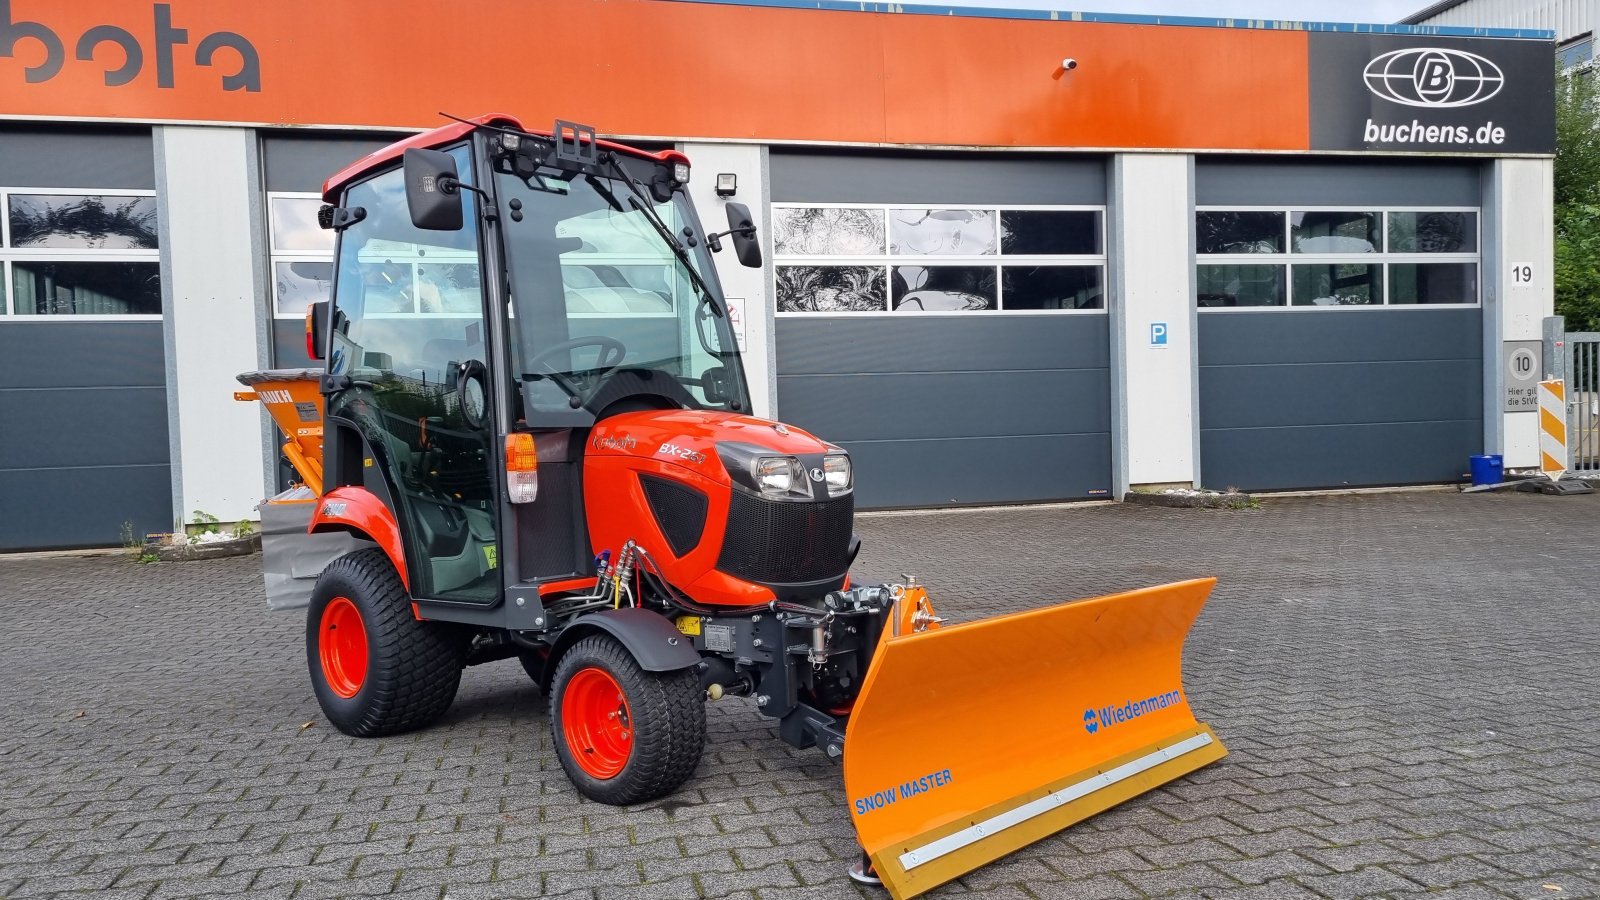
[1581,370]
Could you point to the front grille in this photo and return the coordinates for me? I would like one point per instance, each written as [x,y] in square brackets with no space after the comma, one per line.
[679,510]
[787,542]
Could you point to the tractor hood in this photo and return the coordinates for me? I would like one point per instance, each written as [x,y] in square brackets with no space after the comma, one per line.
[715,445]
[735,510]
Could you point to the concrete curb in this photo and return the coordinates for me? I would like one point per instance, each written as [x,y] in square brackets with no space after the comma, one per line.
[1197,500]
[215,550]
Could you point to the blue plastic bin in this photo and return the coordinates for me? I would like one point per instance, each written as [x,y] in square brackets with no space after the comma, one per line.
[1488,469]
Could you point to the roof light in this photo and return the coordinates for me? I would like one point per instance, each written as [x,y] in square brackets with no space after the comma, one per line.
[680,172]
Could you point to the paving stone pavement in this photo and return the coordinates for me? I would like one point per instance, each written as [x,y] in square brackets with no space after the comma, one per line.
[1409,683]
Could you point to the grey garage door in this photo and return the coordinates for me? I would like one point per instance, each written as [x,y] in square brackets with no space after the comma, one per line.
[942,317]
[1340,332]
[84,449]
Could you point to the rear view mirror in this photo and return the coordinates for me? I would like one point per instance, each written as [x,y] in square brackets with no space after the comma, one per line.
[742,229]
[316,329]
[433,190]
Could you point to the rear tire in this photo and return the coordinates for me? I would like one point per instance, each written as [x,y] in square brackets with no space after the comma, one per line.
[375,669]
[624,735]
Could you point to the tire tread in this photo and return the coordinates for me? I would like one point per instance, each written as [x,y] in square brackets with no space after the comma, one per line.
[669,724]
[414,667]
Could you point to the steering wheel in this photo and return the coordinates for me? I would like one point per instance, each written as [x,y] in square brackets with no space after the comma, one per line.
[612,353]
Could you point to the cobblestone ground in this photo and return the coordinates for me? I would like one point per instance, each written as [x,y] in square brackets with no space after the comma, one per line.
[1409,683]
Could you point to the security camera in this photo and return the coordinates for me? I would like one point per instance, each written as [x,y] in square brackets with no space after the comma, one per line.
[1069,64]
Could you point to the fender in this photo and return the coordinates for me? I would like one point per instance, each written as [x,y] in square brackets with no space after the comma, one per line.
[358,510]
[649,637]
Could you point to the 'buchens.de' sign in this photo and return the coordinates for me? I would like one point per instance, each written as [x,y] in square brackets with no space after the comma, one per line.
[1453,95]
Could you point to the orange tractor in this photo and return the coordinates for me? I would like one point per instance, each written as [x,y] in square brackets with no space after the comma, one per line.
[532,438]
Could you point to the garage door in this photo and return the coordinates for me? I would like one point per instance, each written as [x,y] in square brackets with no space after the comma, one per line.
[943,318]
[1340,330]
[84,452]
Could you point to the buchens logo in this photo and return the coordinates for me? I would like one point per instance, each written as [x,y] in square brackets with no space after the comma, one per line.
[1433,77]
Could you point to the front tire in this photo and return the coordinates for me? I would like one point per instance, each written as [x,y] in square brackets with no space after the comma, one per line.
[375,669]
[624,735]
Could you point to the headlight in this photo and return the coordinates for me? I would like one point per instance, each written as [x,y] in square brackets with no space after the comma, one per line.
[779,476]
[837,472]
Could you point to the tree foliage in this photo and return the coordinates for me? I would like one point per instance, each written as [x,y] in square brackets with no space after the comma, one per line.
[1577,201]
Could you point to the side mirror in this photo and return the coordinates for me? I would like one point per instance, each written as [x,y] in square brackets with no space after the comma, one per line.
[742,229]
[316,329]
[433,190]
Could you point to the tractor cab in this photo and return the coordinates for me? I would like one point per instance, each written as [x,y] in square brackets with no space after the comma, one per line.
[498,293]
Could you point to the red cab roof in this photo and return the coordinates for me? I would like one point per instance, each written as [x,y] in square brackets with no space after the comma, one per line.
[449,134]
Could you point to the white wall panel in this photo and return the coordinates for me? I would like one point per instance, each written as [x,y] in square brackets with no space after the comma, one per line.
[1518,214]
[1567,18]
[209,278]
[746,288]
[1152,265]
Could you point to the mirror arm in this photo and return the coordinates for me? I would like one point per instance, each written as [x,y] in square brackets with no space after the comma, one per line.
[449,186]
[748,229]
[338,218]
[452,186]
[714,241]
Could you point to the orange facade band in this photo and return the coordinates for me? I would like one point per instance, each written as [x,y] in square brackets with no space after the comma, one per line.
[660,68]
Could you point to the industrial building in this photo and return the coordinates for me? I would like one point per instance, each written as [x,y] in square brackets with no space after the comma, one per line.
[1011,256]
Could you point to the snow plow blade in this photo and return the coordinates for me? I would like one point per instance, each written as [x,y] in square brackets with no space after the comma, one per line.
[970,741]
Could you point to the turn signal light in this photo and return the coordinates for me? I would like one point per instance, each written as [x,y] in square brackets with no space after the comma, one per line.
[522,468]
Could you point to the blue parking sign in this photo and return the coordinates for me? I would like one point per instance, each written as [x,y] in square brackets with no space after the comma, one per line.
[1158,334]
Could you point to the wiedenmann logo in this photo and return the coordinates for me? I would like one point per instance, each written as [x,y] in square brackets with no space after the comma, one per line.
[1107,716]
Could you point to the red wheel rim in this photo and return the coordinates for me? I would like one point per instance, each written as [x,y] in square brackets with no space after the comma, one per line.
[597,723]
[342,643]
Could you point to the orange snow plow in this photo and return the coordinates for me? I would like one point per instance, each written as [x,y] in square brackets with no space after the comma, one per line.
[949,764]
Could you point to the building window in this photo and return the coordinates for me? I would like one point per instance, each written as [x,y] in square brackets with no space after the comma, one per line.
[302,253]
[67,252]
[1575,51]
[1335,258]
[902,258]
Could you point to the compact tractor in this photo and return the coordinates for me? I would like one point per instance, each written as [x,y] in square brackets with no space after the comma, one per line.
[531,437]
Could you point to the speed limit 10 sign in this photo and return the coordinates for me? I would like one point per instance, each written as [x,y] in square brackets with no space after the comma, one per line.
[1522,375]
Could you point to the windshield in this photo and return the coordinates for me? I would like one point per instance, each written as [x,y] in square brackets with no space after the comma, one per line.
[604,310]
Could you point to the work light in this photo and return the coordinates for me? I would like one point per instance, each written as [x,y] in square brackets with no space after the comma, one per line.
[778,476]
[837,472]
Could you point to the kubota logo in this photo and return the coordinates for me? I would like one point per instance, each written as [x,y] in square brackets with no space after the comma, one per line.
[129,52]
[1433,77]
[1107,716]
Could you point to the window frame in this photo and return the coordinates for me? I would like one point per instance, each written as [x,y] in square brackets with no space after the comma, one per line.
[9,255]
[1382,257]
[275,255]
[887,261]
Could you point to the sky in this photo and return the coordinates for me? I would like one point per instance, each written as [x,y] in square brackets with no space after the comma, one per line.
[1302,10]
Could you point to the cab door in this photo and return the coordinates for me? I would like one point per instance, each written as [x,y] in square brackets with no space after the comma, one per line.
[409,324]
